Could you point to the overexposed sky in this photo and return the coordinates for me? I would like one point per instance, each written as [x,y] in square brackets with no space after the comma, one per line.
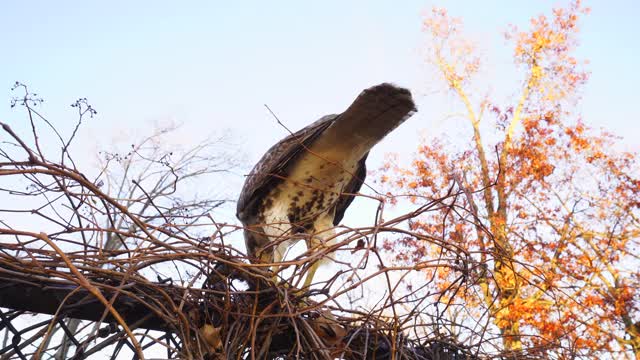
[213,65]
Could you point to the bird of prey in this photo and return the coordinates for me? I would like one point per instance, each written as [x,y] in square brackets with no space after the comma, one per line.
[302,186]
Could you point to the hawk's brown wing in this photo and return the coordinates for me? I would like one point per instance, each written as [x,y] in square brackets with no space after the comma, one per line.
[271,168]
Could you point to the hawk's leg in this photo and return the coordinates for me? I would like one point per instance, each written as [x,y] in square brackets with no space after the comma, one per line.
[278,254]
[269,244]
[318,242]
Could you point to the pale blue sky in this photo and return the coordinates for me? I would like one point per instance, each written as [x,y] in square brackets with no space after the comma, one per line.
[212,65]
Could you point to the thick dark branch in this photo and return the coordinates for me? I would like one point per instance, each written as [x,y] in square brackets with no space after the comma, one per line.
[52,297]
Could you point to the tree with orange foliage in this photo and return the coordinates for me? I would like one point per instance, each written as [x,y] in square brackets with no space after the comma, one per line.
[546,221]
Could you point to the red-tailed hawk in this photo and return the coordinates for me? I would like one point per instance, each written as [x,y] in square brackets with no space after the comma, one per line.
[302,186]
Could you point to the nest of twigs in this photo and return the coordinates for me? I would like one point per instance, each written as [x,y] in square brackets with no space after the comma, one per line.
[238,312]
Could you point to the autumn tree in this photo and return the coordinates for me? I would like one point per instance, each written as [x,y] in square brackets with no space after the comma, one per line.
[545,222]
